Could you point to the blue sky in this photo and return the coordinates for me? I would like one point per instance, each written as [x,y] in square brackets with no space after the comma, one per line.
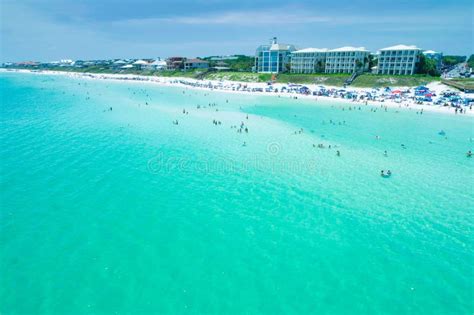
[92,29]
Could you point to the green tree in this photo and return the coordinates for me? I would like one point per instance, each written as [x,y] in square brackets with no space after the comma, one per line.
[453,60]
[426,66]
[372,61]
[470,61]
[319,66]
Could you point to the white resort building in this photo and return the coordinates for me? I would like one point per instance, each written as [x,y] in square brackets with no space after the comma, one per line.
[273,58]
[308,60]
[347,60]
[398,60]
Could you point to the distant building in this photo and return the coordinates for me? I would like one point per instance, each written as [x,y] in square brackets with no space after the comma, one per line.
[218,58]
[190,64]
[140,64]
[31,64]
[308,60]
[175,63]
[221,66]
[78,64]
[398,60]
[157,64]
[347,60]
[436,56]
[273,58]
[118,64]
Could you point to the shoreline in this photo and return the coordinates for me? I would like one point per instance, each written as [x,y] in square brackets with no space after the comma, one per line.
[230,87]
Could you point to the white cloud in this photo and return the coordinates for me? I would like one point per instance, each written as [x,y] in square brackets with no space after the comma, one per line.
[236,18]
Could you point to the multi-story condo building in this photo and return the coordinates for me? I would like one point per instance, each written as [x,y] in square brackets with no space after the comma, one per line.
[347,60]
[273,58]
[308,60]
[398,60]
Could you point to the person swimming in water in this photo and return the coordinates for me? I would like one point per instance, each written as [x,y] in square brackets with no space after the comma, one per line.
[469,153]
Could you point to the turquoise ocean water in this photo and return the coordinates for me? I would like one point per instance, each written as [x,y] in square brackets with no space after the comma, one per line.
[121,211]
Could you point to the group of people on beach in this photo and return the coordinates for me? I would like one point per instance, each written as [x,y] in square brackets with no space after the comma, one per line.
[243,128]
[461,110]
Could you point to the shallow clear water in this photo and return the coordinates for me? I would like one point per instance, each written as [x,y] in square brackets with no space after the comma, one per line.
[123,212]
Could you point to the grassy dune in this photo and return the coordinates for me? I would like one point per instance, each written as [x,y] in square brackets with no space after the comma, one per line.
[371,80]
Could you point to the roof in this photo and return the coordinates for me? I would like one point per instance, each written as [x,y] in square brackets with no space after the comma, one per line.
[158,63]
[120,62]
[401,47]
[195,60]
[276,47]
[430,52]
[281,47]
[310,50]
[140,62]
[127,67]
[349,48]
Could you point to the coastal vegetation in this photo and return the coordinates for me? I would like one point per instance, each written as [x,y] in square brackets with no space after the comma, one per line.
[238,76]
[462,84]
[240,63]
[323,79]
[364,80]
[427,66]
[326,79]
[373,80]
[470,61]
[453,60]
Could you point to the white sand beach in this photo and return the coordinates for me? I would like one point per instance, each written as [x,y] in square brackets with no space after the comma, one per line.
[261,88]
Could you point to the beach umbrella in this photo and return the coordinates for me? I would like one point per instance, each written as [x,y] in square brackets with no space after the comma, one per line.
[421,87]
